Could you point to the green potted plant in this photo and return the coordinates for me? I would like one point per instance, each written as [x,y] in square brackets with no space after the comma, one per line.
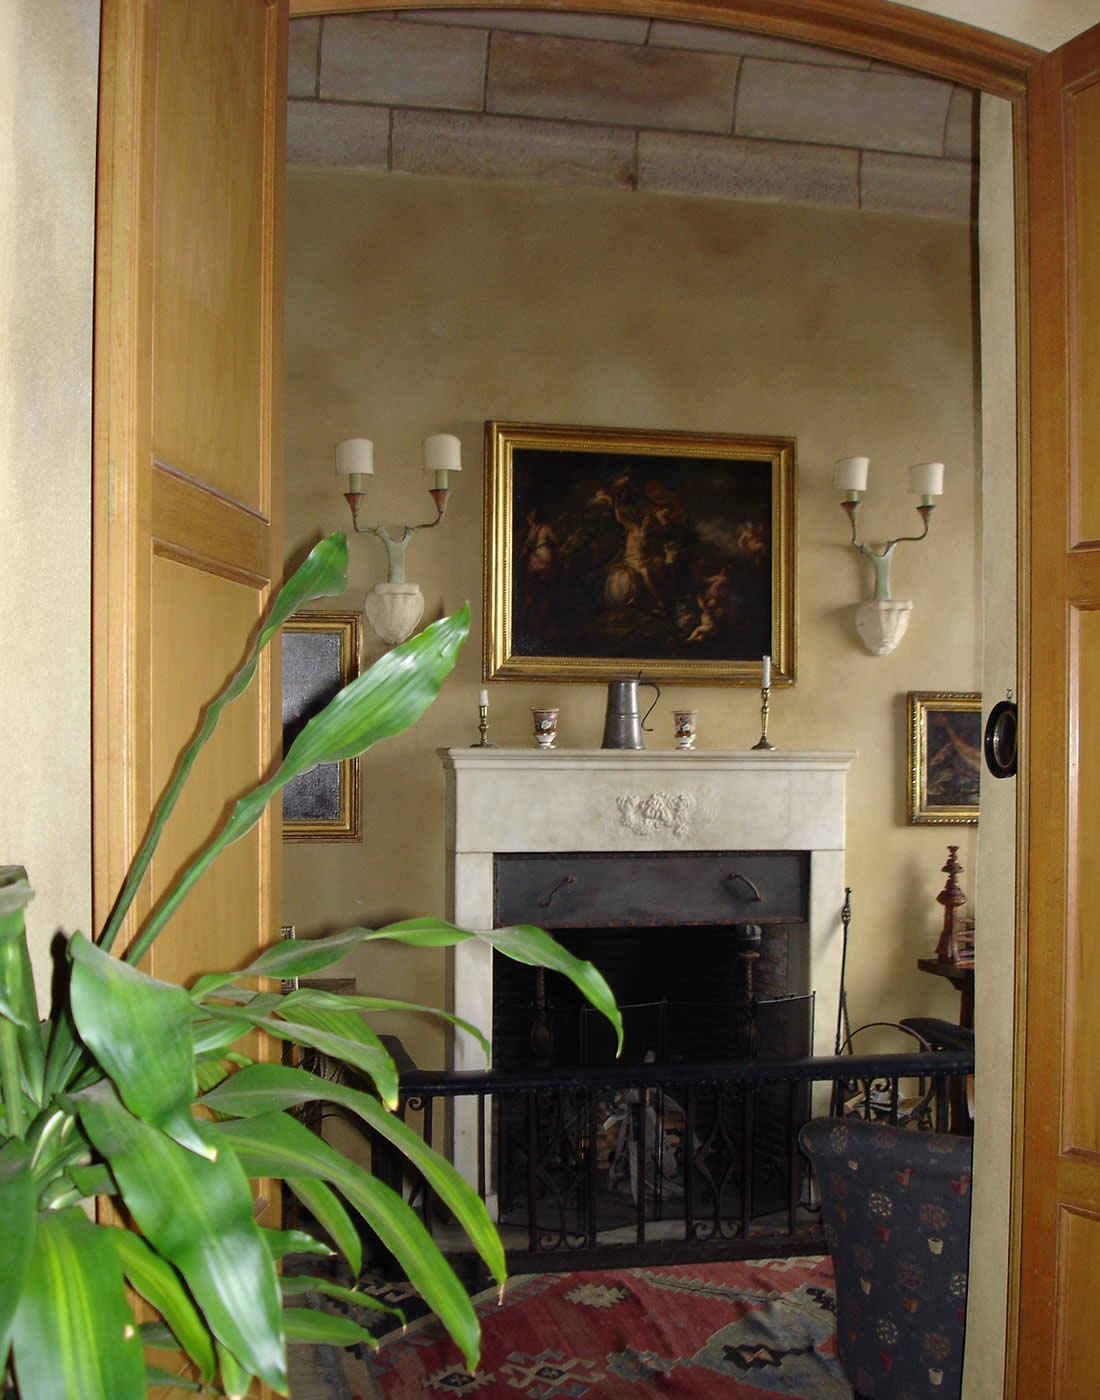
[137,1089]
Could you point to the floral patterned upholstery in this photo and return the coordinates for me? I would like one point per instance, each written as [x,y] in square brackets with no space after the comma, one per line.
[896,1211]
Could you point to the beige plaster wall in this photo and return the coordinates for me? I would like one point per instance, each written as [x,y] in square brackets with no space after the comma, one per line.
[1043,23]
[48,63]
[418,306]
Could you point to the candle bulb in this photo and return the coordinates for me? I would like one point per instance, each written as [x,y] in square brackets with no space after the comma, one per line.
[766,673]
[483,696]
[442,453]
[355,460]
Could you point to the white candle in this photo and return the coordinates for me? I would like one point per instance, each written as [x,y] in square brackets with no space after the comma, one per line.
[442,453]
[766,673]
[483,696]
[926,479]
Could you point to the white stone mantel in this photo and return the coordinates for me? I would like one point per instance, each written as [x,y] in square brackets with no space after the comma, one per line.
[568,799]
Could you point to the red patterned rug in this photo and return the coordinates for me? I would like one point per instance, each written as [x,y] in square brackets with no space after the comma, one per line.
[754,1328]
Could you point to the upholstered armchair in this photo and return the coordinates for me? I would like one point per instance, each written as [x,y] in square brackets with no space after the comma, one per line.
[895,1207]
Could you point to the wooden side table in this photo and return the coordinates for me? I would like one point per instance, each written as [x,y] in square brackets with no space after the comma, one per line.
[962,979]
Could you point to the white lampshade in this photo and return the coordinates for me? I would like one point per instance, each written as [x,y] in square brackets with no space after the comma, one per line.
[355,456]
[442,452]
[926,479]
[850,473]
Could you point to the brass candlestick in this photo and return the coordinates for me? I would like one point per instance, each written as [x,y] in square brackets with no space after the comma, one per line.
[764,742]
[483,729]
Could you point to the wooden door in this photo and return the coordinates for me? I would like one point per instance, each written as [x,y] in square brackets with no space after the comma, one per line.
[1058,1342]
[188,445]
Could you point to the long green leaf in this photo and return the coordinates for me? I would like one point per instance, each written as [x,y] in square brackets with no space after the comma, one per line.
[522,943]
[272,1088]
[197,1214]
[17,1212]
[323,574]
[236,1379]
[275,1144]
[294,1285]
[22,1062]
[368,1059]
[139,1029]
[280,1243]
[328,1211]
[313,1325]
[74,1334]
[318,999]
[290,957]
[159,1284]
[382,702]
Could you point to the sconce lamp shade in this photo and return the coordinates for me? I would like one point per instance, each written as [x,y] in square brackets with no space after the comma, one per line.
[355,457]
[850,474]
[926,479]
[442,452]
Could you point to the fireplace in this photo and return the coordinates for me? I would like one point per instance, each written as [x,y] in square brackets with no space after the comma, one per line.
[693,840]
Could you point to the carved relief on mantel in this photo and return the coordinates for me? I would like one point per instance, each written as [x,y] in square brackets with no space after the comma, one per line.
[659,813]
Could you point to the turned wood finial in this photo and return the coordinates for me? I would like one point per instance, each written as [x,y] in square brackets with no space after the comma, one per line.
[952,898]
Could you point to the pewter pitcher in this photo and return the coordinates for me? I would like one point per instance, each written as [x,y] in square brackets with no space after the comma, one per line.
[623,725]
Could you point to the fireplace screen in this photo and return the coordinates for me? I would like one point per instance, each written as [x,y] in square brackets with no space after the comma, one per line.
[595,1158]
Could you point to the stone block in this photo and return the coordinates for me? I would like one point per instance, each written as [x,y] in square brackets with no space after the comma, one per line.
[388,62]
[610,84]
[618,29]
[841,107]
[512,148]
[961,137]
[938,189]
[775,172]
[337,133]
[302,55]
[709,39]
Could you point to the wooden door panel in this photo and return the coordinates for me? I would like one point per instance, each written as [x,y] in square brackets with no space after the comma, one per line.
[1081,1106]
[1077,1345]
[209,316]
[1060,1191]
[1083,134]
[198,621]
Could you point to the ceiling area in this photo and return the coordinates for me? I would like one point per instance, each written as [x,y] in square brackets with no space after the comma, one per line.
[628,104]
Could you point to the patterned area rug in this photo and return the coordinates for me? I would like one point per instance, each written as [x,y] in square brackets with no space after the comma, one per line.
[755,1328]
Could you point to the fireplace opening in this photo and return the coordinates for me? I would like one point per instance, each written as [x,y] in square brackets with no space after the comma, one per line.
[696,995]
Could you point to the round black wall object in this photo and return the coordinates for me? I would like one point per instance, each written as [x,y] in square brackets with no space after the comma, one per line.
[1000,739]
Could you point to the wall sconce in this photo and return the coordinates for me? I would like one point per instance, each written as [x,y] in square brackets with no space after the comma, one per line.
[394,608]
[882,621]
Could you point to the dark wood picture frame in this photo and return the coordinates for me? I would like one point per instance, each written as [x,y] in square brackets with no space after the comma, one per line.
[320,656]
[944,756]
[613,552]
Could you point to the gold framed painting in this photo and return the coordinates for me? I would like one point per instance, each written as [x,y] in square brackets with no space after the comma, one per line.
[944,756]
[612,552]
[320,657]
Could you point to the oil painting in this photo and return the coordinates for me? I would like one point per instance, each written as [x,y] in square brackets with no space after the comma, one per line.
[613,551]
[944,756]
